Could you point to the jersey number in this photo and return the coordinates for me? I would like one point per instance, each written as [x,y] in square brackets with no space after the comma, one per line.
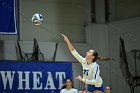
[85,72]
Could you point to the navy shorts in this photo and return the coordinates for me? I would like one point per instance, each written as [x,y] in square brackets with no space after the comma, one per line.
[92,88]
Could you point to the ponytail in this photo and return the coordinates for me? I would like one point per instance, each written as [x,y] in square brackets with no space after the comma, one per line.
[95,54]
[105,58]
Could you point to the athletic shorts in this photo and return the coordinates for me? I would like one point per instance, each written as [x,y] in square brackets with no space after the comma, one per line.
[92,88]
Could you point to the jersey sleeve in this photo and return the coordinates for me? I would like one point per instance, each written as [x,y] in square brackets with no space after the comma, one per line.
[78,56]
[95,76]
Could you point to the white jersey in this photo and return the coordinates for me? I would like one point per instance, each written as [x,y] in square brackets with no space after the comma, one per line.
[90,72]
[69,90]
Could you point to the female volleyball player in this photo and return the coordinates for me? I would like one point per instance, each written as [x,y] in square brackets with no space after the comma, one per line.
[90,69]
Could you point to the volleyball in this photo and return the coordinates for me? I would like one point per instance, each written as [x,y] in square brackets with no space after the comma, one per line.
[37,19]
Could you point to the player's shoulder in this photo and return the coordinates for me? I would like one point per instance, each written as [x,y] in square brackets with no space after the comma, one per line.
[94,64]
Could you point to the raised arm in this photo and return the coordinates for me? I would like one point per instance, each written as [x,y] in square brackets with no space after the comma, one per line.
[70,46]
[73,50]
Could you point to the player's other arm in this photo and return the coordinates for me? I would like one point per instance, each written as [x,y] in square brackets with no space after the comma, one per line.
[92,81]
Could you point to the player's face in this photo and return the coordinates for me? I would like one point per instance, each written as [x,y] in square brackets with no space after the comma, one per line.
[89,54]
[69,83]
[107,89]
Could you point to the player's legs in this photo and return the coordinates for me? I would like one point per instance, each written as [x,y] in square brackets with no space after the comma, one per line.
[93,89]
[96,91]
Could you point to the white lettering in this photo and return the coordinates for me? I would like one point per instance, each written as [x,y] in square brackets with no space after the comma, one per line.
[7,76]
[25,78]
[36,80]
[49,83]
[60,76]
[21,80]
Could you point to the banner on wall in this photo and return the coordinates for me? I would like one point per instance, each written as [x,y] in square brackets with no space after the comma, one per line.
[33,77]
[7,17]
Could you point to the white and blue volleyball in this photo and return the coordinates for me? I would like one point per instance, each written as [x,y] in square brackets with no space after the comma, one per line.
[37,19]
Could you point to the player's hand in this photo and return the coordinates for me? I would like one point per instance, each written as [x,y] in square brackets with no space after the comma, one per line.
[79,78]
[65,37]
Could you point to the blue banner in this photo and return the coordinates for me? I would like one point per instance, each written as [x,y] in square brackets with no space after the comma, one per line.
[7,17]
[33,77]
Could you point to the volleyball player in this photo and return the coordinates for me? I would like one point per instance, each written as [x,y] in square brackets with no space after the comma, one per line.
[91,71]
